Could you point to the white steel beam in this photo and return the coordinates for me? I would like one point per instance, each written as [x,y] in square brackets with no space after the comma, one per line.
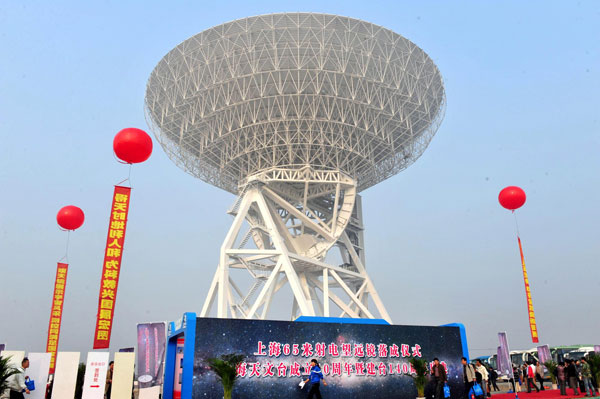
[325,291]
[305,307]
[281,264]
[265,290]
[223,282]
[210,297]
[351,295]
[268,299]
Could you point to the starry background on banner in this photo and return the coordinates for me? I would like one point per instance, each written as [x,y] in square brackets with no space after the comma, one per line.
[215,337]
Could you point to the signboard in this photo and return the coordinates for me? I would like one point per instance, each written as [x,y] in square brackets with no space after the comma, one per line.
[111,267]
[122,382]
[504,362]
[544,354]
[151,353]
[16,357]
[39,364]
[56,310]
[95,375]
[65,375]
[357,360]
[127,350]
[149,393]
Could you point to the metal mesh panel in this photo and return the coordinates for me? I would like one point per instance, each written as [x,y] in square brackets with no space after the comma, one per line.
[295,89]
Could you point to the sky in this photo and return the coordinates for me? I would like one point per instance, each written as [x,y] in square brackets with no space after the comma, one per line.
[522,82]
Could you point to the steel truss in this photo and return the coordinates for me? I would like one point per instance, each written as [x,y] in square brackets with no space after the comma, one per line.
[296,113]
[285,223]
[286,90]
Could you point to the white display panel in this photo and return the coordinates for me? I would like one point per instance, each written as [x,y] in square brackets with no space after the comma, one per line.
[15,357]
[65,375]
[149,393]
[39,366]
[123,375]
[95,375]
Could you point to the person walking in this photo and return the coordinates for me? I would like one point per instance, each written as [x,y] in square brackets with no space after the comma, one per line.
[109,378]
[579,379]
[517,380]
[573,376]
[316,375]
[531,378]
[469,377]
[539,374]
[494,378]
[586,375]
[524,373]
[484,376]
[438,372]
[561,376]
[17,381]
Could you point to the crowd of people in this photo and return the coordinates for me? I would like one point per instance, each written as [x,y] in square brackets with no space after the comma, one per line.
[529,374]
[479,373]
[577,375]
[572,374]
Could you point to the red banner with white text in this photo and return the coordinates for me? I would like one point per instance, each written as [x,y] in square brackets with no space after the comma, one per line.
[60,282]
[111,267]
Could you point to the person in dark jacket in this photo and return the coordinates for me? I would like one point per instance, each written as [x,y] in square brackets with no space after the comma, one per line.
[316,375]
[493,378]
[438,372]
[573,376]
[561,377]
[109,378]
[579,379]
[516,381]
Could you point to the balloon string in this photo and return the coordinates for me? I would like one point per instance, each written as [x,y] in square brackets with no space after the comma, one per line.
[516,223]
[128,177]
[66,257]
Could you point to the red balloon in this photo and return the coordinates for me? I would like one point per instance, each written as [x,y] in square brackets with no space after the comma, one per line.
[132,145]
[70,217]
[512,197]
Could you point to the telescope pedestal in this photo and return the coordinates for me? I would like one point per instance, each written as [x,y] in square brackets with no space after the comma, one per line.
[286,221]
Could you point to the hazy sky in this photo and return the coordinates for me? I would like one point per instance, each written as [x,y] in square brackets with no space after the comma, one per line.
[522,82]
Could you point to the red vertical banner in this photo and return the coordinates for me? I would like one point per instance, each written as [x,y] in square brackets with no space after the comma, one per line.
[530,313]
[60,283]
[111,266]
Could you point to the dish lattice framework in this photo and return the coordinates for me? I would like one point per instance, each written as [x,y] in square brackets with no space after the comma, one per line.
[294,90]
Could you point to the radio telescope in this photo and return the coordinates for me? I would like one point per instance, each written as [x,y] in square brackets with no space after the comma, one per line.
[295,113]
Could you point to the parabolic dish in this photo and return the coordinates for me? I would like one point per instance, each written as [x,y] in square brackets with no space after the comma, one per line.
[295,89]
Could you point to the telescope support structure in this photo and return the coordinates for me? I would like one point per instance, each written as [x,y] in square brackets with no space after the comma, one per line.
[285,223]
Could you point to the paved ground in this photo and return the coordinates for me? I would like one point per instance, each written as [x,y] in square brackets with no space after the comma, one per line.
[505,387]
